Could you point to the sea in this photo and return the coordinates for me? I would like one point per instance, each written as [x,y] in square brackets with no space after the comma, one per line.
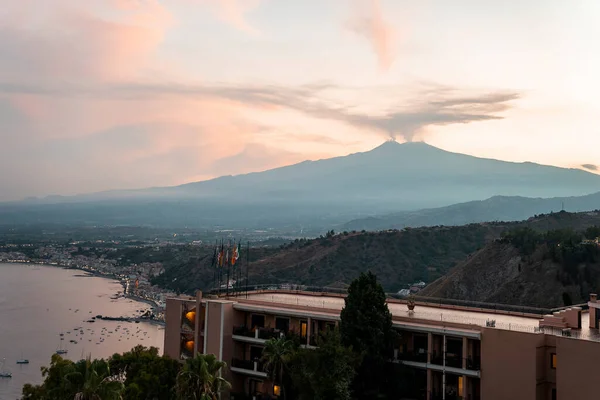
[38,303]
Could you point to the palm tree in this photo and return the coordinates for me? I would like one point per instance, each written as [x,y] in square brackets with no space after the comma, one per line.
[275,356]
[94,381]
[200,378]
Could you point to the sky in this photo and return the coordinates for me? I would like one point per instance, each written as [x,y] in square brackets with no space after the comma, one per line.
[115,94]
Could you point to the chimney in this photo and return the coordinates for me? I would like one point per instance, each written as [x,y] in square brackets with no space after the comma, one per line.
[593,297]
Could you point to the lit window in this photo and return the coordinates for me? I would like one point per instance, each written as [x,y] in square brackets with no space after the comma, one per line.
[553,360]
[276,390]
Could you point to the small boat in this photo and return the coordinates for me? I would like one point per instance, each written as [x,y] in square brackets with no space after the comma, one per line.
[60,350]
[22,360]
[3,372]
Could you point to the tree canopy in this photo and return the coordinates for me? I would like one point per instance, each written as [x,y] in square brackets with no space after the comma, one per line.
[139,374]
[366,327]
[324,373]
[148,376]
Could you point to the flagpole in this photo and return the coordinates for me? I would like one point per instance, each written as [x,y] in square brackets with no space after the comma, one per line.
[239,269]
[247,266]
[228,268]
[221,267]
[215,263]
[232,263]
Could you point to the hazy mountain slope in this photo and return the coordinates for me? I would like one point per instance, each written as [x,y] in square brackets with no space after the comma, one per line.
[497,208]
[320,193]
[414,174]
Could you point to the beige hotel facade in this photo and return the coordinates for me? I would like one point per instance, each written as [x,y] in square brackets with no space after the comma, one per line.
[455,352]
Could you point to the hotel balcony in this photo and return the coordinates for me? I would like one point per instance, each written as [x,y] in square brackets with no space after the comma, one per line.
[257,335]
[412,356]
[469,366]
[248,367]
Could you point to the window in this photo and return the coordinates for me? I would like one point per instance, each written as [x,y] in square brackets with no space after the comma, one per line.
[255,386]
[553,394]
[282,324]
[255,353]
[553,360]
[303,329]
[257,321]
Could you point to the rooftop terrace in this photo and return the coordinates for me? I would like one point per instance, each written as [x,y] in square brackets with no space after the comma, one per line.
[470,317]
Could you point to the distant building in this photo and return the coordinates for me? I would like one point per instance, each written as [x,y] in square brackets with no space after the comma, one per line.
[414,289]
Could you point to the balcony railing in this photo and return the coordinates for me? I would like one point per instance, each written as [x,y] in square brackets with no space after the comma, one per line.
[265,333]
[472,363]
[415,356]
[249,365]
[454,361]
[437,358]
[257,333]
[243,331]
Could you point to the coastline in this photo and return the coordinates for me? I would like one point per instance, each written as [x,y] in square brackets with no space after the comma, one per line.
[123,283]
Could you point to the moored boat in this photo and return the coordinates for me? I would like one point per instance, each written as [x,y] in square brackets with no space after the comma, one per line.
[4,373]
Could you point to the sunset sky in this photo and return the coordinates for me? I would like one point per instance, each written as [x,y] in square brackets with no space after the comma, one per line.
[110,94]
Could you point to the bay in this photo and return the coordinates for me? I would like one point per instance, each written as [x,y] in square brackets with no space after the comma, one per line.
[37,303]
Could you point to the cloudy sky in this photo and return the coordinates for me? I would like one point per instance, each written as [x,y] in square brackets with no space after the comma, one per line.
[108,94]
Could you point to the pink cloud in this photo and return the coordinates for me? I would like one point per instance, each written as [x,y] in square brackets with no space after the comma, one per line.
[373,27]
[254,157]
[68,42]
[233,12]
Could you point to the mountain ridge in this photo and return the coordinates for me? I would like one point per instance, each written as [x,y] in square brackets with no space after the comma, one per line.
[495,208]
[386,148]
[316,195]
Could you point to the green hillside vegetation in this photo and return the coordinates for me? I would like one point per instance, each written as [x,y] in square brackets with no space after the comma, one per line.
[577,254]
[559,267]
[400,257]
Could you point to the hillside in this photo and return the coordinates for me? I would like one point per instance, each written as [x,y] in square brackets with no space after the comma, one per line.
[497,208]
[397,257]
[313,196]
[527,268]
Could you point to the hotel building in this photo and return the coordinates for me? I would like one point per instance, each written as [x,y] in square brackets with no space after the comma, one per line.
[455,352]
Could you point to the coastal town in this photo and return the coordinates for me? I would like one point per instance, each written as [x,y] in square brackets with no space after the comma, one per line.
[135,277]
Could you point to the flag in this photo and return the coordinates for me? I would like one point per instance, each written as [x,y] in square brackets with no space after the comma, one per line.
[214,257]
[221,255]
[236,253]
